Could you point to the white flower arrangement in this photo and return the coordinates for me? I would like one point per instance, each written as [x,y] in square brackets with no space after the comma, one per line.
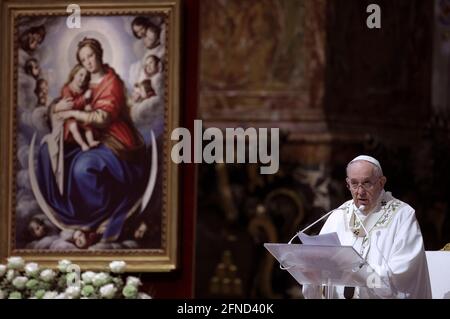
[28,281]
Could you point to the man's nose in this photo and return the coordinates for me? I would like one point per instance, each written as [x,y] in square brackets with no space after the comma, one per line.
[360,190]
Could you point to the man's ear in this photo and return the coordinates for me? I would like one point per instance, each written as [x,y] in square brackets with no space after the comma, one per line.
[383,181]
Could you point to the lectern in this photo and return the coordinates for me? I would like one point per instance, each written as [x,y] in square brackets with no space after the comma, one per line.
[326,266]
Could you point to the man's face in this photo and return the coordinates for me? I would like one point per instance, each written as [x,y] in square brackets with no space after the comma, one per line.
[151,66]
[42,93]
[364,185]
[79,239]
[35,69]
[37,229]
[139,30]
[150,38]
[33,41]
[136,96]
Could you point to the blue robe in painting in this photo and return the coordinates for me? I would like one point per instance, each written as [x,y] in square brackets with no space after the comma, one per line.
[99,188]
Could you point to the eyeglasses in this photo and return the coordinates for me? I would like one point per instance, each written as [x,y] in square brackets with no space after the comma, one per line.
[366,185]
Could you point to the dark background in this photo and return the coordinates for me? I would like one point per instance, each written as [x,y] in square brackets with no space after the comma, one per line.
[381,92]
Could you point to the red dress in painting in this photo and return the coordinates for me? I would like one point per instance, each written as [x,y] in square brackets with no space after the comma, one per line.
[109,96]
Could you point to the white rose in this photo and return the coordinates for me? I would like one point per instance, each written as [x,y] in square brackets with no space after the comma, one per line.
[63,264]
[143,295]
[2,294]
[73,292]
[134,281]
[20,282]
[117,267]
[15,262]
[31,269]
[10,275]
[100,279]
[50,295]
[61,296]
[87,277]
[47,275]
[2,270]
[108,291]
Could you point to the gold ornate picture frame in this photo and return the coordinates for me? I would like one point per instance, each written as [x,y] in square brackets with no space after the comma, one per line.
[89,96]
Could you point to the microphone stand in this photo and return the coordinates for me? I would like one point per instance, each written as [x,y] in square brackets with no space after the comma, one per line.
[310,225]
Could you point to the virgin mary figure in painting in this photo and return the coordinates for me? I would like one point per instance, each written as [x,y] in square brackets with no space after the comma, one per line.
[101,185]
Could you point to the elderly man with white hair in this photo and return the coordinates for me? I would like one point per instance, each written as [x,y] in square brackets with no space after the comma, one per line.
[393,244]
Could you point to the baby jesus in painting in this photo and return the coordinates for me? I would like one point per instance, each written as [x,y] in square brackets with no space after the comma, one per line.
[76,88]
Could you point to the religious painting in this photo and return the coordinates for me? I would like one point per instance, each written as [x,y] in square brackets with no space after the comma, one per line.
[90,97]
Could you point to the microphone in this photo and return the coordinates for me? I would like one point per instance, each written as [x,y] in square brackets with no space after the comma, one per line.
[311,225]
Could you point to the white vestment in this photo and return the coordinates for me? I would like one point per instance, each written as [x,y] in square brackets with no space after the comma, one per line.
[394,248]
